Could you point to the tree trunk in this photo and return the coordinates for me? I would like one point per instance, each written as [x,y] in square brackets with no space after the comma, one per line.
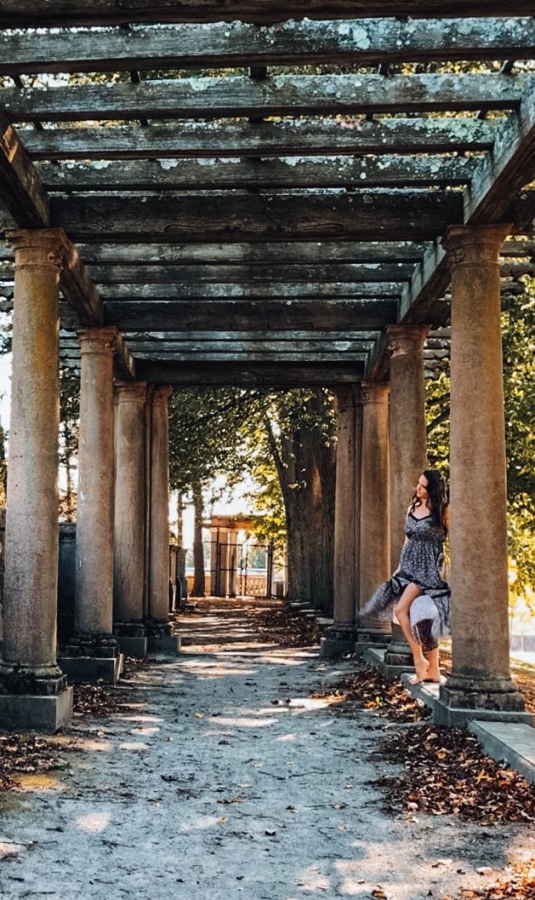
[306,464]
[199,587]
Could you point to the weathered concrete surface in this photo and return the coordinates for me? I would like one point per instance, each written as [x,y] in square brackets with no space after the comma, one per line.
[222,780]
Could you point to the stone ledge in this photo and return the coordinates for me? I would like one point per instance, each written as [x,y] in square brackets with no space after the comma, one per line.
[510,742]
[27,712]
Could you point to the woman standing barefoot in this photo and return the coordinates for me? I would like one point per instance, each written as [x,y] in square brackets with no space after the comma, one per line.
[417,593]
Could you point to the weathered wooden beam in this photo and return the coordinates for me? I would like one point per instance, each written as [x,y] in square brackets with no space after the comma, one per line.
[249,315]
[79,291]
[388,215]
[293,253]
[363,42]
[35,13]
[258,274]
[280,95]
[497,180]
[260,174]
[252,356]
[155,338]
[21,189]
[511,165]
[298,138]
[518,249]
[270,375]
[521,214]
[266,291]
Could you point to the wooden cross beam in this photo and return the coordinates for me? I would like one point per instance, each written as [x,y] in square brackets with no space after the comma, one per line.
[496,181]
[267,139]
[358,42]
[388,215]
[259,174]
[280,95]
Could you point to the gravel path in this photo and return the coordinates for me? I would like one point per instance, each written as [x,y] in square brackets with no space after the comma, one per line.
[221,779]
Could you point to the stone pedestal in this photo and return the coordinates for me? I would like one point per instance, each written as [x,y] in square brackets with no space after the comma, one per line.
[408,452]
[129,529]
[340,638]
[33,691]
[375,509]
[480,686]
[93,650]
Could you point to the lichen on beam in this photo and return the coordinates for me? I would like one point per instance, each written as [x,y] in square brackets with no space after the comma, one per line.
[21,188]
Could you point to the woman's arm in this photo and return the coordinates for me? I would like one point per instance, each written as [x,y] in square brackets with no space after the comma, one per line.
[446,519]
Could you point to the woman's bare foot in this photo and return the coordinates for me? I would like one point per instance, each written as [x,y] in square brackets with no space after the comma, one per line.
[420,669]
[432,676]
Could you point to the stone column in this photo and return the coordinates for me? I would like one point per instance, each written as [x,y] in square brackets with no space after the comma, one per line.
[408,452]
[129,530]
[340,637]
[158,624]
[375,507]
[480,685]
[214,562]
[223,561]
[34,690]
[93,652]
[232,562]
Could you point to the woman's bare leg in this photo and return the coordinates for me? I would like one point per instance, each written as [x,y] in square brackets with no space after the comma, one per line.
[402,611]
[433,672]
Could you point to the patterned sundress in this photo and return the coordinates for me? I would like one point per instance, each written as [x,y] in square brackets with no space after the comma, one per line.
[421,562]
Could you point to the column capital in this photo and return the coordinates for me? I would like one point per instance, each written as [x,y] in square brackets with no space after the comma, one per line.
[467,244]
[160,394]
[347,396]
[98,340]
[374,392]
[406,339]
[131,392]
[39,248]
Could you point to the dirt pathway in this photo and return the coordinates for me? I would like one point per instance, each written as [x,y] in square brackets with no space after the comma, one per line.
[219,778]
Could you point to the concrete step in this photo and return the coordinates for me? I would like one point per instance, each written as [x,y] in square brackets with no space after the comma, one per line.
[510,742]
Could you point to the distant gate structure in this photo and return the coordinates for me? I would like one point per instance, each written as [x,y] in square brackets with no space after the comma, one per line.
[266,194]
[231,564]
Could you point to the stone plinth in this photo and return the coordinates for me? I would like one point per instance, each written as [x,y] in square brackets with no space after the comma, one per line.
[92,657]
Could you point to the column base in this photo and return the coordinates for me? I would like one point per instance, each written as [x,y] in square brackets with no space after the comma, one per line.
[131,638]
[161,639]
[336,641]
[92,657]
[30,702]
[398,656]
[29,712]
[465,698]
[79,669]
[368,638]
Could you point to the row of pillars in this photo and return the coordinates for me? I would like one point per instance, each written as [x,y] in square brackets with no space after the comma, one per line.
[122,539]
[382,452]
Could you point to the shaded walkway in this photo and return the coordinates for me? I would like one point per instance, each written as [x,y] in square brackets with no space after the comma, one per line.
[220,778]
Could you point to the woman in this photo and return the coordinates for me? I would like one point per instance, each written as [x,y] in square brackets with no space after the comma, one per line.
[417,593]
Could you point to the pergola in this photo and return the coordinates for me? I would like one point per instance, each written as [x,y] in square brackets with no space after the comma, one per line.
[259,193]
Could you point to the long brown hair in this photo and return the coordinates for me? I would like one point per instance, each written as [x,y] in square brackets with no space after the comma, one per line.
[436,492]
